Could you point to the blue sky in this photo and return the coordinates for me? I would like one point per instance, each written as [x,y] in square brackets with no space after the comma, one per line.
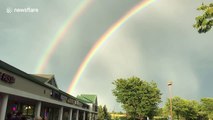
[158,43]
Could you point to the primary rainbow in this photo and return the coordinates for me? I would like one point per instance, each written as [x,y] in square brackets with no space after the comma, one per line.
[60,34]
[103,38]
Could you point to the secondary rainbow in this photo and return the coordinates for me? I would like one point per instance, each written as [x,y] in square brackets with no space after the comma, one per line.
[103,39]
[60,34]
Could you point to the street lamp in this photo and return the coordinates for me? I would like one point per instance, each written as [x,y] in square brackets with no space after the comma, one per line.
[170,94]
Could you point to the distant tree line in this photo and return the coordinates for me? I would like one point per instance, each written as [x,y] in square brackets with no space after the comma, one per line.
[184,109]
[140,100]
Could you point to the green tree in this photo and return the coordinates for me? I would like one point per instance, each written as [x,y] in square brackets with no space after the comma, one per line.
[190,109]
[177,106]
[107,116]
[100,113]
[103,113]
[162,113]
[138,97]
[204,22]
[207,106]
[187,109]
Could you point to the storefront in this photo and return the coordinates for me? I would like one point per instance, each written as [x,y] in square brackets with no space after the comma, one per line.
[37,95]
[50,111]
[66,113]
[23,105]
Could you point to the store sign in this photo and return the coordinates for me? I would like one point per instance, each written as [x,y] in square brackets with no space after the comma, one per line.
[7,78]
[70,101]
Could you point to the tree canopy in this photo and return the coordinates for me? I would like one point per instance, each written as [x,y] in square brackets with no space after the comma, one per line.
[191,109]
[204,22]
[139,98]
[103,113]
[207,106]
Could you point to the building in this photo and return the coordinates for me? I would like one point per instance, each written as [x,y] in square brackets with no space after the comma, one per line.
[39,95]
[91,100]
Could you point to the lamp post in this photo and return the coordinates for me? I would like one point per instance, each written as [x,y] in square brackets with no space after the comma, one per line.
[170,94]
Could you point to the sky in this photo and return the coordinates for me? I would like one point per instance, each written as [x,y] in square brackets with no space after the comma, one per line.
[157,43]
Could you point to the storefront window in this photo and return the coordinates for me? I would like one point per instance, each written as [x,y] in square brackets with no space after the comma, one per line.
[50,113]
[28,110]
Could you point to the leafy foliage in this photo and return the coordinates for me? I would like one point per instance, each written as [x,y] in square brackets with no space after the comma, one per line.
[138,97]
[204,22]
[177,106]
[103,113]
[207,106]
[191,109]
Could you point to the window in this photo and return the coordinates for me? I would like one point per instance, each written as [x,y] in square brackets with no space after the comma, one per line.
[27,110]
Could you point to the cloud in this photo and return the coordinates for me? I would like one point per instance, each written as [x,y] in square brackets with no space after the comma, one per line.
[158,43]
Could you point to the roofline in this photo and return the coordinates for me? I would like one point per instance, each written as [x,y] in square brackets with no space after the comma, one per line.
[14,70]
[21,73]
[27,76]
[84,101]
[91,101]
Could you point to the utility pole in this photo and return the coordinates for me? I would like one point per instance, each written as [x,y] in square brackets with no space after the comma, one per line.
[170,94]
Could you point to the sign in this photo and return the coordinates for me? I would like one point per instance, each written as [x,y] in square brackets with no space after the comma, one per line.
[70,101]
[7,78]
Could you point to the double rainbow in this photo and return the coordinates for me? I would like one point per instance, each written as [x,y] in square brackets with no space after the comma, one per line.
[69,22]
[104,38]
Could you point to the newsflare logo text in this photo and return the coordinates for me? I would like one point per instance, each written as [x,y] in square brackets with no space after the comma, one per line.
[21,10]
